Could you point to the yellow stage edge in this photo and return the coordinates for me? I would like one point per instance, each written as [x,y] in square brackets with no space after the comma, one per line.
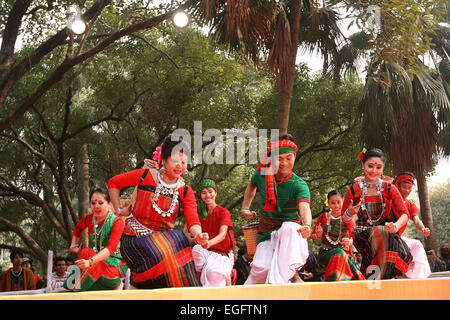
[395,289]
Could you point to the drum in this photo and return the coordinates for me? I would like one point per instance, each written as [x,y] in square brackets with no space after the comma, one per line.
[250,234]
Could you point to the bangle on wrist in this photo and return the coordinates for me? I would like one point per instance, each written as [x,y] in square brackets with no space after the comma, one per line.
[91,261]
[347,216]
[120,211]
[396,227]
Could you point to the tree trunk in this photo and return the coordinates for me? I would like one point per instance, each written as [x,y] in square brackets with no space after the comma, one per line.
[205,172]
[287,75]
[83,188]
[425,210]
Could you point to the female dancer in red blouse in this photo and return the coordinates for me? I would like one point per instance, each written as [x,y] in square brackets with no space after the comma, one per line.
[158,255]
[370,201]
[335,252]
[215,260]
[102,265]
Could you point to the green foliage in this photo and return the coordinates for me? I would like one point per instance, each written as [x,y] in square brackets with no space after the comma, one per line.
[440,203]
[399,31]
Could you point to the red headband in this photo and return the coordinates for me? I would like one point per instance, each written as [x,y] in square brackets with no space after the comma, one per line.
[283,146]
[404,178]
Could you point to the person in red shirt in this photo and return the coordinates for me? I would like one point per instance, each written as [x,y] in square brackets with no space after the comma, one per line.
[28,263]
[215,259]
[419,268]
[335,253]
[158,255]
[369,201]
[101,263]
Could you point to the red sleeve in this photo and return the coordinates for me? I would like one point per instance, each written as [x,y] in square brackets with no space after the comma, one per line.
[397,202]
[190,208]
[320,221]
[412,209]
[225,218]
[350,226]
[126,179]
[116,233]
[81,225]
[347,199]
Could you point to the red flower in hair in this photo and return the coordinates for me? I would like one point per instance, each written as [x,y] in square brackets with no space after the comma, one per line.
[157,153]
[361,155]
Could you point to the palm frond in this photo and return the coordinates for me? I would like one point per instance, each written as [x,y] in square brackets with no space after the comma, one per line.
[444,70]
[244,27]
[279,52]
[429,93]
[351,56]
[440,39]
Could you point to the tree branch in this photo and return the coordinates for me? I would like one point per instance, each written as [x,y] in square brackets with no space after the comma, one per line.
[29,241]
[17,72]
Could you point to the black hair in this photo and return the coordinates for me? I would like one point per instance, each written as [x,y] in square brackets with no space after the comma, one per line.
[374,152]
[286,136]
[102,191]
[15,252]
[170,144]
[242,251]
[334,192]
[57,259]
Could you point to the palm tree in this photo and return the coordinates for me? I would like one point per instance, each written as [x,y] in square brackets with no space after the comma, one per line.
[274,29]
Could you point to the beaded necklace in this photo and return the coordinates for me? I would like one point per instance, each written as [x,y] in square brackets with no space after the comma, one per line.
[168,190]
[98,235]
[329,218]
[16,275]
[364,187]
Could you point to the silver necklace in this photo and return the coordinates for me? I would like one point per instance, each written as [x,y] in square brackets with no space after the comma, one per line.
[330,216]
[16,274]
[99,234]
[168,190]
[364,185]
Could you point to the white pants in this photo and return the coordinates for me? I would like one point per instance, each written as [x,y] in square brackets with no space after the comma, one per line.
[419,268]
[276,260]
[214,267]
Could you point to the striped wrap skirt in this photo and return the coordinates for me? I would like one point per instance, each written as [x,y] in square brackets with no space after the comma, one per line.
[339,265]
[103,275]
[383,249]
[162,259]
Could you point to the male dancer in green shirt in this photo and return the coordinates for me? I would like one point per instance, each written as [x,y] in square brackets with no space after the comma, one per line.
[285,216]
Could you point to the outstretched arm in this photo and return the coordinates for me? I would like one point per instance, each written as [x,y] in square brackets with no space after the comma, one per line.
[305,215]
[249,195]
[420,226]
[219,238]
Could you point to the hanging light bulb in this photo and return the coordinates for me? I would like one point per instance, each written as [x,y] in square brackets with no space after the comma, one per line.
[74,21]
[180,19]
[78,26]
